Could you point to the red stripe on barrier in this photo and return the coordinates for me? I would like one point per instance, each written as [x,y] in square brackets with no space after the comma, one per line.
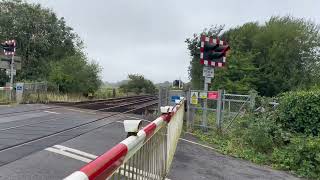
[166,117]
[149,129]
[106,164]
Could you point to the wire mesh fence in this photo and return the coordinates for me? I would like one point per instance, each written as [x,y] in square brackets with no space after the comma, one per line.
[35,92]
[5,96]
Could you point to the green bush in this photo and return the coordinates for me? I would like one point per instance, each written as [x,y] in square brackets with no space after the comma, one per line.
[300,112]
[302,156]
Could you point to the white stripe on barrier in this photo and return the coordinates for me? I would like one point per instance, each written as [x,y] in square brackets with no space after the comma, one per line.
[159,121]
[78,175]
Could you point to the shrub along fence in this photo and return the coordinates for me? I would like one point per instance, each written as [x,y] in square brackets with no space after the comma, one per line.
[285,137]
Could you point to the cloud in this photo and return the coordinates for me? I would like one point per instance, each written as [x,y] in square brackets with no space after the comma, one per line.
[147,37]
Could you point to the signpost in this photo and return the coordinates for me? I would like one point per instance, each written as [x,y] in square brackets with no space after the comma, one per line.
[213,95]
[212,54]
[194,97]
[208,72]
[207,80]
[174,98]
[9,48]
[203,95]
[8,72]
[5,62]
[19,92]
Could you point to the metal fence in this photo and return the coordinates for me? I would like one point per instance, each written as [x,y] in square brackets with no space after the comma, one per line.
[35,92]
[149,162]
[166,94]
[146,156]
[5,95]
[220,111]
[32,92]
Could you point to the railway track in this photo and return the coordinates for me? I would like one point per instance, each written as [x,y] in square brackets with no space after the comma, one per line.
[97,105]
[37,141]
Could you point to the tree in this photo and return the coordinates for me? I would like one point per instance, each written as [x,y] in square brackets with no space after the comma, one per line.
[138,84]
[280,55]
[74,74]
[45,41]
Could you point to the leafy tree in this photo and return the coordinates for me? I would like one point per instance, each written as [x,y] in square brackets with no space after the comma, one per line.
[138,84]
[75,74]
[45,41]
[280,55]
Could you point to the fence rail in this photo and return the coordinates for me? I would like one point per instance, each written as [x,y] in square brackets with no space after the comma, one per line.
[146,156]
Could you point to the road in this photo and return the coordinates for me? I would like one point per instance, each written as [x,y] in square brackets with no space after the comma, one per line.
[25,137]
[195,162]
[26,154]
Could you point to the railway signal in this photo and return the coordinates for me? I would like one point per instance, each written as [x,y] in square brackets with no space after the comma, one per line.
[9,47]
[212,54]
[213,51]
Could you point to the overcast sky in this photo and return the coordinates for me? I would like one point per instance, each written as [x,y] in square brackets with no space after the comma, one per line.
[147,36]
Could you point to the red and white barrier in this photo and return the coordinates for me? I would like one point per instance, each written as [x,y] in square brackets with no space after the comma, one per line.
[6,88]
[108,163]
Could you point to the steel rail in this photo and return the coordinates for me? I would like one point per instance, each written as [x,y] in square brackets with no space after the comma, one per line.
[32,110]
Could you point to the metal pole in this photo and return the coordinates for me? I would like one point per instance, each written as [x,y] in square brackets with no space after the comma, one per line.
[188,110]
[219,110]
[204,112]
[11,76]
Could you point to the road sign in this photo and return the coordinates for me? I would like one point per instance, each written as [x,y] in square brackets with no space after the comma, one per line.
[174,98]
[207,80]
[19,87]
[19,92]
[6,60]
[203,95]
[8,72]
[208,72]
[213,95]
[194,97]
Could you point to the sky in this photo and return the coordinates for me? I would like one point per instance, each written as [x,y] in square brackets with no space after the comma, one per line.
[147,36]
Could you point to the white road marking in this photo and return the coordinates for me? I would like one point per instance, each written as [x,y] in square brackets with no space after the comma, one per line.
[87,158]
[78,152]
[198,144]
[70,155]
[51,112]
[77,110]
[189,133]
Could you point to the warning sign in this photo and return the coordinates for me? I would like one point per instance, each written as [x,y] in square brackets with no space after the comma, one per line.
[203,95]
[194,97]
[213,95]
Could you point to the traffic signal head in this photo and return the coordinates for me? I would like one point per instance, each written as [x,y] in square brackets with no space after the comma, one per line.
[9,47]
[213,51]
